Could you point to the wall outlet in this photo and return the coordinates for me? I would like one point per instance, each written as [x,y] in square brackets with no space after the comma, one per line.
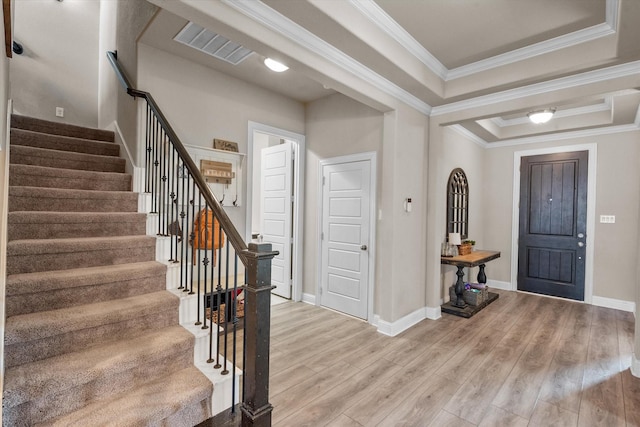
[59,112]
[607,219]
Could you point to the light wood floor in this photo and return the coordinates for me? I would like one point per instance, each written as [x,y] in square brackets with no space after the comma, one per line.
[524,360]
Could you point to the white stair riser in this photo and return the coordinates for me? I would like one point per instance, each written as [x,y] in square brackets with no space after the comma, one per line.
[221,399]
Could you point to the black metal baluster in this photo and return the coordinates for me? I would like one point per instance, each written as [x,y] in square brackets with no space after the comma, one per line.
[193,251]
[205,262]
[235,333]
[219,291]
[165,183]
[173,228]
[209,294]
[225,371]
[184,216]
[147,162]
[154,177]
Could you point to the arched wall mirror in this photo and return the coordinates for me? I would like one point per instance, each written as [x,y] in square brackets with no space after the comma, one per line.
[458,203]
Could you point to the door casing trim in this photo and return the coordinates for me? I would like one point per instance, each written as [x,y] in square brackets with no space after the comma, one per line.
[592,148]
[370,156]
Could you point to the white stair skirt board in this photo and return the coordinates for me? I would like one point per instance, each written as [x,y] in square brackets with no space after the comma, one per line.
[394,328]
[152,224]
[144,203]
[221,398]
[635,366]
[222,384]
[617,304]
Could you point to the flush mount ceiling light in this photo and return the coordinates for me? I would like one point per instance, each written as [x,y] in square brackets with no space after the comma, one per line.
[274,65]
[541,116]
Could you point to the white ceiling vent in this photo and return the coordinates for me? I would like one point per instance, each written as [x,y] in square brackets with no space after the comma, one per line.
[212,44]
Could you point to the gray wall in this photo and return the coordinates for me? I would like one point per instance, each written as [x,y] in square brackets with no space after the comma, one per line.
[617,193]
[132,18]
[59,67]
[463,153]
[335,126]
[202,104]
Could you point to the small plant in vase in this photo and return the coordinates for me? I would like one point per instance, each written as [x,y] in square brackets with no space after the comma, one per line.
[466,247]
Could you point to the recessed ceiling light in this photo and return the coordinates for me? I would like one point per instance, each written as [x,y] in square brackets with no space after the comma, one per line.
[274,65]
[541,116]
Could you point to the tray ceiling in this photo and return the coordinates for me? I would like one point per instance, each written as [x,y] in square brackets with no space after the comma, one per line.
[445,58]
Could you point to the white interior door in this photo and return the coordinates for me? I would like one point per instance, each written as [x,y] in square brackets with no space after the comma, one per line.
[276,212]
[346,202]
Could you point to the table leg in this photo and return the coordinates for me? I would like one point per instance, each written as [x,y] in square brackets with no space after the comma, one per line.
[482,278]
[459,302]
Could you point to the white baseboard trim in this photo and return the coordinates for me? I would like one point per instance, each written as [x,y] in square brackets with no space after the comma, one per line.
[394,328]
[433,313]
[635,366]
[496,284]
[617,304]
[309,298]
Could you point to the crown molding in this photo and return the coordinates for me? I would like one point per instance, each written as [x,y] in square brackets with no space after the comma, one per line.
[561,42]
[388,25]
[266,16]
[558,136]
[470,135]
[606,130]
[605,105]
[586,78]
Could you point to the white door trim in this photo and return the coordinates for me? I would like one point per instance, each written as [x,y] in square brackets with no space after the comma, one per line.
[298,210]
[591,210]
[370,156]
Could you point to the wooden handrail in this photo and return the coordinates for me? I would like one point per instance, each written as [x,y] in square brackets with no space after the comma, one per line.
[230,230]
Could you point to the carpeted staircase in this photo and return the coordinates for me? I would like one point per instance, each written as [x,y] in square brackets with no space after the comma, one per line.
[92,336]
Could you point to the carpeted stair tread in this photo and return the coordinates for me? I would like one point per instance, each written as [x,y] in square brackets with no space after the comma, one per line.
[30,326]
[70,200]
[65,159]
[52,290]
[56,128]
[91,336]
[152,404]
[33,255]
[69,371]
[35,336]
[42,176]
[63,143]
[59,225]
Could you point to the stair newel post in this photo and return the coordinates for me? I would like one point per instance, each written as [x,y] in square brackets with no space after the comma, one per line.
[256,409]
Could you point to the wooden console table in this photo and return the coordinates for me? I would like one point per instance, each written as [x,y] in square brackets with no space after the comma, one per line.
[475,259]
